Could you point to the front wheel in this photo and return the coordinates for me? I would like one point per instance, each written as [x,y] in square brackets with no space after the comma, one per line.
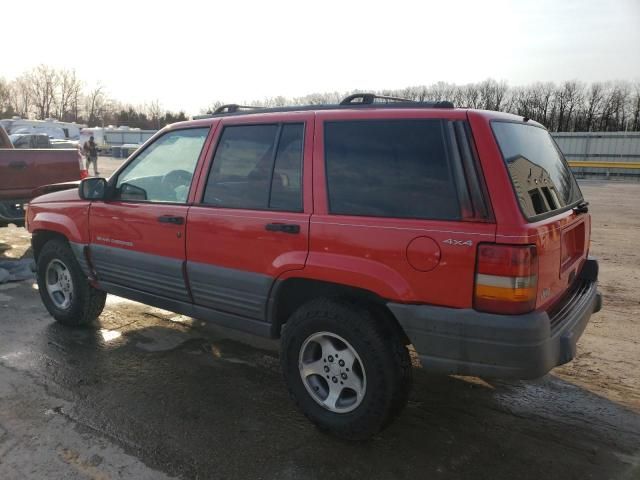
[64,288]
[346,367]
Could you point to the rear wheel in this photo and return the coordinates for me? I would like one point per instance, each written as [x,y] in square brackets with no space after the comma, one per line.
[346,367]
[64,288]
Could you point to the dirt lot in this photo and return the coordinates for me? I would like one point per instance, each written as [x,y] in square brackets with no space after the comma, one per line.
[156,395]
[609,358]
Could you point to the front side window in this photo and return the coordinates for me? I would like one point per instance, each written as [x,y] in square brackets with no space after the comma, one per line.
[257,167]
[389,168]
[163,171]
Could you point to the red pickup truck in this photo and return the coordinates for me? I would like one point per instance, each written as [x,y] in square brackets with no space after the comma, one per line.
[350,231]
[24,170]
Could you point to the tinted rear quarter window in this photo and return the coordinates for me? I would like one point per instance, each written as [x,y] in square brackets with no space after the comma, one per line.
[542,179]
[389,168]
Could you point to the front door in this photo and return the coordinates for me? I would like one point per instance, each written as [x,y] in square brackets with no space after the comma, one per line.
[138,236]
[251,223]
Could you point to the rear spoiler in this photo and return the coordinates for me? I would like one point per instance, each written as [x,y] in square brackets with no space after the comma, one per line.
[54,187]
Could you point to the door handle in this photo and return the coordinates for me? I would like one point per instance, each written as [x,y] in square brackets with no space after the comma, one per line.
[171,219]
[282,227]
[18,165]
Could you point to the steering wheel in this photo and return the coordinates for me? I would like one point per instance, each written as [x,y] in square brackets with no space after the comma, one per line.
[174,179]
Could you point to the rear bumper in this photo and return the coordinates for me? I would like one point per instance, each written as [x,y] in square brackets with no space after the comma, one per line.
[12,211]
[467,342]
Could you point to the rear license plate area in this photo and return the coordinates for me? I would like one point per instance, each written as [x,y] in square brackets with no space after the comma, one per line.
[573,246]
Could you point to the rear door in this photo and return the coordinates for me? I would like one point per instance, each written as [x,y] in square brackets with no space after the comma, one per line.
[138,237]
[252,220]
[397,216]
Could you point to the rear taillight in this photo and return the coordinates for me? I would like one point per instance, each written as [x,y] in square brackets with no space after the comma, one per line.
[506,278]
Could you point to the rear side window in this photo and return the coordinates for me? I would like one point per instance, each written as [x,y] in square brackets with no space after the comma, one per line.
[389,168]
[257,167]
[541,178]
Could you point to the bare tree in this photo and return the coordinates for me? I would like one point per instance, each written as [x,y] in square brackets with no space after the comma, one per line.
[593,104]
[615,103]
[569,98]
[20,99]
[542,95]
[468,96]
[523,101]
[154,111]
[441,91]
[45,91]
[43,83]
[68,91]
[94,104]
[75,100]
[491,94]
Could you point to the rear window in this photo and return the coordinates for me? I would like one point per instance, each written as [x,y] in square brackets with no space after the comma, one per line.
[389,168]
[541,177]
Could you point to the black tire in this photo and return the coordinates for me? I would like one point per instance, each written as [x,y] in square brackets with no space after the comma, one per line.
[86,303]
[384,357]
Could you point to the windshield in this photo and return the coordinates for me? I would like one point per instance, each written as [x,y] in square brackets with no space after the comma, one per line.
[540,175]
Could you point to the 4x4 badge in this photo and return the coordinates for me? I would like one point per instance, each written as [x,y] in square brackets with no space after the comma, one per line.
[459,243]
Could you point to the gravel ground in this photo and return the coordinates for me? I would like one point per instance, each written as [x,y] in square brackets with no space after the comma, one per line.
[151,394]
[107,165]
[609,359]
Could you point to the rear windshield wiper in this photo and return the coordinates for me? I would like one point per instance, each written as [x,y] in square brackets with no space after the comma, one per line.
[582,207]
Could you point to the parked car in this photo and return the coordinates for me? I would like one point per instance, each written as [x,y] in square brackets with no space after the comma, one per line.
[349,232]
[23,170]
[51,127]
[39,140]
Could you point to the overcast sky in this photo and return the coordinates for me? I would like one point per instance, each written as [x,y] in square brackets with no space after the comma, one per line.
[190,53]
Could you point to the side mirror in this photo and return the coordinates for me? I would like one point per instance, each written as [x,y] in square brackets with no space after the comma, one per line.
[93,188]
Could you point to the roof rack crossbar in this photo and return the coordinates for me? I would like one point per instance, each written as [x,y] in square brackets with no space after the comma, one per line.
[233,108]
[369,98]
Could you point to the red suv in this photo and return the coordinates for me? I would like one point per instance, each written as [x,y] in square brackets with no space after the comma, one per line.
[350,231]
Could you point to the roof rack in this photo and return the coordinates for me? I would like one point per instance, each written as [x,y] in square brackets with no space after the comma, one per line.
[356,100]
[234,108]
[369,98]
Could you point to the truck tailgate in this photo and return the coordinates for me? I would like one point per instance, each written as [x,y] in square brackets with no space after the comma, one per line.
[22,170]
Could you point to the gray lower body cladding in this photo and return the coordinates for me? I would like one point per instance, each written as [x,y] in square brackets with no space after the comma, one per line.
[228,297]
[154,274]
[230,290]
[210,315]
